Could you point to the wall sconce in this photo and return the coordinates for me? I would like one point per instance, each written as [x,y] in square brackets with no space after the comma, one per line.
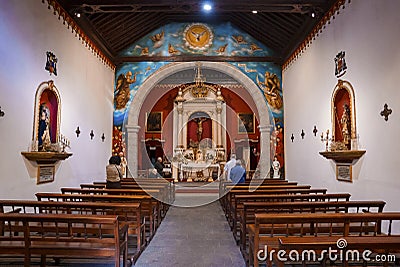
[1,113]
[77,131]
[103,137]
[91,134]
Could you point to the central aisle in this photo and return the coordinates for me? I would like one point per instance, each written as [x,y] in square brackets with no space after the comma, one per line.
[198,236]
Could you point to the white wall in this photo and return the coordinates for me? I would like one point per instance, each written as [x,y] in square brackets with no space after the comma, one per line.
[368,31]
[28,29]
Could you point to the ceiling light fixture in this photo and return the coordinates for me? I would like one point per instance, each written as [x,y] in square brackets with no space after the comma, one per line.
[77,14]
[254,11]
[313,14]
[207,7]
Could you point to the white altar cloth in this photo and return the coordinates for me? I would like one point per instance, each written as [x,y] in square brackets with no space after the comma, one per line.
[197,167]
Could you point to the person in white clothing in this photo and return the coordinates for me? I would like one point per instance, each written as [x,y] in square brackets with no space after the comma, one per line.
[228,166]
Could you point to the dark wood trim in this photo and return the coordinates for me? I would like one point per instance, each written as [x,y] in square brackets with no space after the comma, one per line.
[198,58]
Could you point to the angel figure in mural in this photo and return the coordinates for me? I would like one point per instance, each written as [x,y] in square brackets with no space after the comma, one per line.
[271,87]
[157,39]
[221,49]
[239,39]
[172,50]
[122,91]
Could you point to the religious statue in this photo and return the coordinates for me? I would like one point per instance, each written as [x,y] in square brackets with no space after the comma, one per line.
[46,141]
[44,121]
[200,128]
[345,124]
[124,163]
[276,166]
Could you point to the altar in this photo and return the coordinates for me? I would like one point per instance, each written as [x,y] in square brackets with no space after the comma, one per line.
[200,171]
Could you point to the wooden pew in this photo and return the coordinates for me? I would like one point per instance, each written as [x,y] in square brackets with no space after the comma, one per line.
[128,212]
[225,198]
[147,184]
[158,194]
[270,227]
[232,207]
[55,235]
[249,210]
[238,201]
[224,186]
[149,206]
[166,196]
[123,191]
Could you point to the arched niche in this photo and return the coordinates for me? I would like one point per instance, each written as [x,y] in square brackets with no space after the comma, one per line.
[344,115]
[46,114]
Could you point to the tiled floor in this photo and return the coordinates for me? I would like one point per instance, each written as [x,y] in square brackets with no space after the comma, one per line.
[196,236]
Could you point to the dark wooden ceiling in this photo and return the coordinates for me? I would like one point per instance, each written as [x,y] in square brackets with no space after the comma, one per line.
[115,24]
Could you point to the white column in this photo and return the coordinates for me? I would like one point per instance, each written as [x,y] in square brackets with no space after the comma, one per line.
[214,126]
[219,127]
[132,148]
[180,123]
[265,150]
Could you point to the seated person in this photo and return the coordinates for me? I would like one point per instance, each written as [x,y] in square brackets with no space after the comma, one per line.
[238,173]
[114,172]
[153,173]
[159,166]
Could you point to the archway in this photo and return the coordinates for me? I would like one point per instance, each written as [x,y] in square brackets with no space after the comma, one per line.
[132,126]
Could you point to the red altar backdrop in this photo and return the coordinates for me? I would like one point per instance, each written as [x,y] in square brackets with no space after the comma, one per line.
[192,130]
[342,97]
[50,101]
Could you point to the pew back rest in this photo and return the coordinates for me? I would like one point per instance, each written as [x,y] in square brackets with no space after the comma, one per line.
[341,224]
[66,234]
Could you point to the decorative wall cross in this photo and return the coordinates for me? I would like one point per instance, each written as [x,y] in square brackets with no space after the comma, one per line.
[315,131]
[302,134]
[386,112]
[78,132]
[91,134]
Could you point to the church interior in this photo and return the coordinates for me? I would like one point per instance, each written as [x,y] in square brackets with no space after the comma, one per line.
[250,133]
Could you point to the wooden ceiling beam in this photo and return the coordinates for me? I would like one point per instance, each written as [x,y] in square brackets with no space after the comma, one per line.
[185,58]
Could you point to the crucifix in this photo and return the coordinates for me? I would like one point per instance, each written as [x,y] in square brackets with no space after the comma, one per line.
[200,128]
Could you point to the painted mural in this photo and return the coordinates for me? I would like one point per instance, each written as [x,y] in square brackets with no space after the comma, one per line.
[198,39]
